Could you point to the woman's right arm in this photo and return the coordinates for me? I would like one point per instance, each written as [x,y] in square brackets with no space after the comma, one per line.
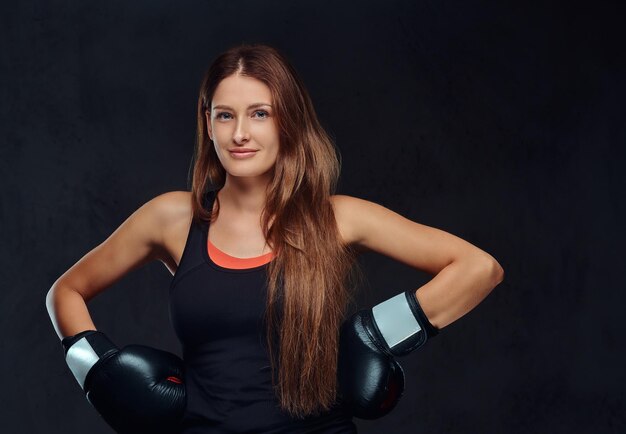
[137,241]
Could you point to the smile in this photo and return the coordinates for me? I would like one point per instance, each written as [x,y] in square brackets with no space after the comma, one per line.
[241,155]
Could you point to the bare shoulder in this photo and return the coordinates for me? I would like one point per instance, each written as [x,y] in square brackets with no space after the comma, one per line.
[351,212]
[172,207]
[345,207]
[168,216]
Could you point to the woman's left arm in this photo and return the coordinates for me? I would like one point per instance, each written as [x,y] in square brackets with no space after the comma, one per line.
[463,274]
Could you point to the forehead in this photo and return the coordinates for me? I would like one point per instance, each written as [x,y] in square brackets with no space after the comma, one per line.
[240,91]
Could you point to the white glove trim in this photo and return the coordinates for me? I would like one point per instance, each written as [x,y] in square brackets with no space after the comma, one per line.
[80,358]
[395,320]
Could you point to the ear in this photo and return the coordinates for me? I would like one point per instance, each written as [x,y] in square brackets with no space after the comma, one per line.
[207,115]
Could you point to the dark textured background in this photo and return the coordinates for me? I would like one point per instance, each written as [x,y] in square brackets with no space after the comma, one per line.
[500,123]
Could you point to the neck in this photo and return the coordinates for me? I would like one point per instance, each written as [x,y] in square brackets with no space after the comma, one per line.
[244,195]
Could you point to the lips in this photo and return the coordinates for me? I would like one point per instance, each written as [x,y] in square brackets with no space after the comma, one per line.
[242,153]
[242,150]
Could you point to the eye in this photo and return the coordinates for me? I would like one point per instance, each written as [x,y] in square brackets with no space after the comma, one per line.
[219,115]
[266,114]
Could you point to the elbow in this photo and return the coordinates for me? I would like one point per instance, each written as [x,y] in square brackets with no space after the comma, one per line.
[491,270]
[51,298]
[56,292]
[51,301]
[496,272]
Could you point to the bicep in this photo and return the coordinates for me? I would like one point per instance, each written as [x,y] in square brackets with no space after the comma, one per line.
[376,228]
[134,243]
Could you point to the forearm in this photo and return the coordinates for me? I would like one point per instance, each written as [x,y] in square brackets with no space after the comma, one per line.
[457,289]
[68,311]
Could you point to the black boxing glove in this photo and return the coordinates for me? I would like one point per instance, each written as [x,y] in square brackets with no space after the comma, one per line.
[370,381]
[137,389]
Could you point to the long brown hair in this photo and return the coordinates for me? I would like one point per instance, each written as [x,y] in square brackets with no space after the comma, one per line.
[310,282]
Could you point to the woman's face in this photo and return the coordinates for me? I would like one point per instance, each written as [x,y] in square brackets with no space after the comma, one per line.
[242,119]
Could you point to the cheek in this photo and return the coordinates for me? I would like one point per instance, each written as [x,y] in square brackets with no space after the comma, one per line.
[218,149]
[221,137]
[271,136]
[216,132]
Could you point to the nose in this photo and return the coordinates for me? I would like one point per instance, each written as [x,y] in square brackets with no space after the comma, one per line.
[241,134]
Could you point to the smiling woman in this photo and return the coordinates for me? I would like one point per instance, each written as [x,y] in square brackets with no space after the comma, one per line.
[263,256]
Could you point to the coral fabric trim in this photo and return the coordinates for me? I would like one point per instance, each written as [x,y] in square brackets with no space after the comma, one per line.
[227,261]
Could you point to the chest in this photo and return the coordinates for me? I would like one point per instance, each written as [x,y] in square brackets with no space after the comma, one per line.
[239,237]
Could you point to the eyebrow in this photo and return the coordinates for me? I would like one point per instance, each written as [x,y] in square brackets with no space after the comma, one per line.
[255,105]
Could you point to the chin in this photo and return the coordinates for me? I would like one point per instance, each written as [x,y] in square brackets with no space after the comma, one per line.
[247,173]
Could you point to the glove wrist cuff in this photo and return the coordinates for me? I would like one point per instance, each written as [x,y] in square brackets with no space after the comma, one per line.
[431,330]
[402,323]
[84,350]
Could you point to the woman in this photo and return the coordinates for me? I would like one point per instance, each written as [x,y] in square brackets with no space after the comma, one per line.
[262,253]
